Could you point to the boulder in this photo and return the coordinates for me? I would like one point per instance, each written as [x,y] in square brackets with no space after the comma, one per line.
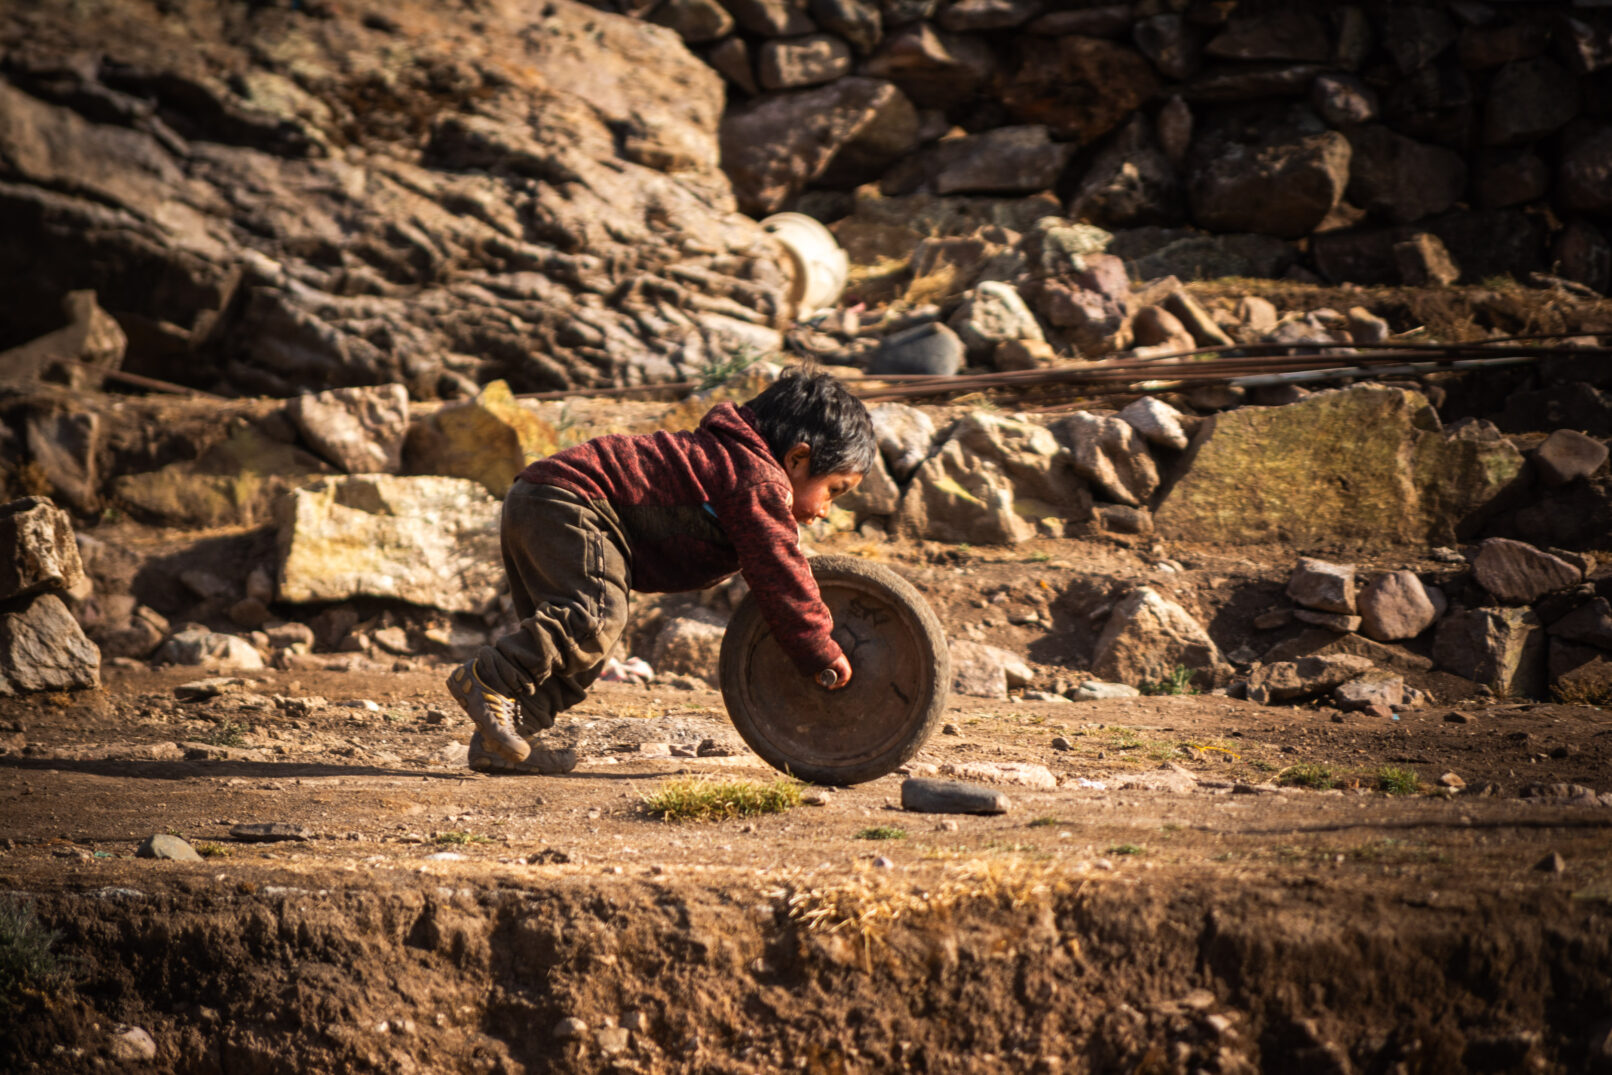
[1283,188]
[1528,100]
[1079,87]
[1590,624]
[773,146]
[1366,327]
[1519,574]
[1502,648]
[1302,474]
[1308,677]
[42,648]
[1584,177]
[1371,689]
[1131,182]
[1148,636]
[430,541]
[235,482]
[78,354]
[1279,35]
[695,21]
[1008,160]
[802,61]
[931,348]
[1579,672]
[1510,177]
[935,69]
[731,57]
[38,553]
[967,16]
[991,314]
[979,670]
[770,18]
[876,494]
[1424,261]
[1087,309]
[1394,606]
[1158,330]
[1400,179]
[1157,421]
[358,430]
[1322,643]
[1568,455]
[165,845]
[1111,454]
[489,439]
[1324,586]
[1483,47]
[905,435]
[858,21]
[690,645]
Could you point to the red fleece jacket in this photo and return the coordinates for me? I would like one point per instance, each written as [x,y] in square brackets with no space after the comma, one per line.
[696,507]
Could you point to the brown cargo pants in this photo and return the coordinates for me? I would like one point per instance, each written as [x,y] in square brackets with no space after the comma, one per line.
[569,577]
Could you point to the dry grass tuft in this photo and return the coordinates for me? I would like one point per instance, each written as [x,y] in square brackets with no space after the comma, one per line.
[700,798]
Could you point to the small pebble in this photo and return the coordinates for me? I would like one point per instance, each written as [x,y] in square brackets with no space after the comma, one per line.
[882,863]
[816,796]
[1551,863]
[948,825]
[949,729]
[1060,743]
[1451,780]
[1455,716]
[570,1028]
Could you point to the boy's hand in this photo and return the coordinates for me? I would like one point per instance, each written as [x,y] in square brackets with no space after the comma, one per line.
[836,675]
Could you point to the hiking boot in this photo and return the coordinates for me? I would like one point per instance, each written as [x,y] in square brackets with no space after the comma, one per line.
[540,760]
[496,715]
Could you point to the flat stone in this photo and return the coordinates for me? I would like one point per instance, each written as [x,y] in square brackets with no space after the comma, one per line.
[1094,690]
[1373,688]
[802,61]
[198,690]
[932,349]
[928,796]
[1568,455]
[265,832]
[1287,681]
[1517,573]
[1323,586]
[164,845]
[1332,621]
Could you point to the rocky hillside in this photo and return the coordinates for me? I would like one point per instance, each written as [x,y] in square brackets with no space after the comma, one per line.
[271,198]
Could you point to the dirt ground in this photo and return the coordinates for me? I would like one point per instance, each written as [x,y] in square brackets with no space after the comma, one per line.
[1170,906]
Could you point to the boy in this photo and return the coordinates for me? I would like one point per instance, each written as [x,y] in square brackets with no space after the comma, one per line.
[660,513]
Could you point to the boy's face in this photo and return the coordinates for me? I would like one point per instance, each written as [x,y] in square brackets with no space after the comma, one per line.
[814,493]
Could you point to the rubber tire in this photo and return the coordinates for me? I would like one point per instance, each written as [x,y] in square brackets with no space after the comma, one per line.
[754,716]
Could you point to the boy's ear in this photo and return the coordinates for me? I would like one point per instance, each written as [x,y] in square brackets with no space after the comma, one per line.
[799,455]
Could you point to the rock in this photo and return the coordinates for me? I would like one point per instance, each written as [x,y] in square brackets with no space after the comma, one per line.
[1095,690]
[1415,36]
[876,494]
[132,1044]
[613,1040]
[1079,87]
[1023,355]
[1308,677]
[1551,863]
[990,314]
[931,349]
[1371,689]
[1022,774]
[773,146]
[1517,573]
[76,355]
[1111,454]
[64,448]
[1395,605]
[978,670]
[427,540]
[136,636]
[1366,327]
[1568,455]
[905,434]
[770,18]
[1301,474]
[1501,648]
[1528,100]
[1423,261]
[1090,306]
[1132,182]
[927,796]
[817,796]
[1451,780]
[934,69]
[42,648]
[489,439]
[966,16]
[1147,637]
[266,832]
[199,646]
[1399,179]
[1332,621]
[359,430]
[1009,160]
[731,57]
[200,690]
[1157,421]
[690,645]
[1256,313]
[1343,100]
[38,552]
[1510,177]
[855,20]
[1170,43]
[802,61]
[1279,35]
[1582,254]
[1281,188]
[1590,623]
[694,20]
[1157,328]
[1584,176]
[1195,319]
[570,1029]
[1321,585]
[163,845]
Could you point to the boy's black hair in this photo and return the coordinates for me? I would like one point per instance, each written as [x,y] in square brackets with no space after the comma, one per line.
[808,407]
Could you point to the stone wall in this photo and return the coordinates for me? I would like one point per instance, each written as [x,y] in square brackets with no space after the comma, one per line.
[1346,130]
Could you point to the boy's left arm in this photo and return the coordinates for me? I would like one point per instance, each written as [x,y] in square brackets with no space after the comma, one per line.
[763,531]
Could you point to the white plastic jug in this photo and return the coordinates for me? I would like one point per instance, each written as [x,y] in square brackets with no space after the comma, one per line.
[820,264]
